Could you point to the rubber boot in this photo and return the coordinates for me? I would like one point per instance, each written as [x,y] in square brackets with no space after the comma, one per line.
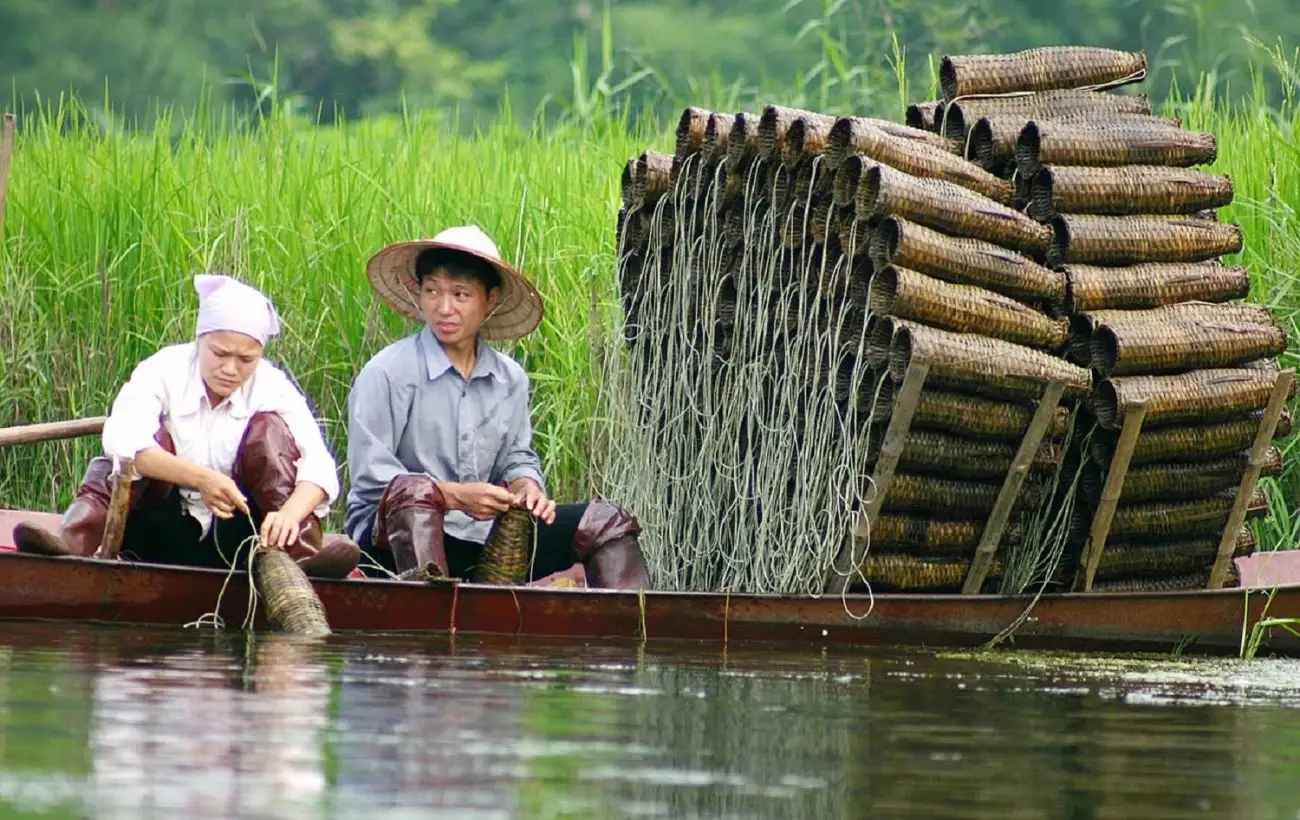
[409,525]
[82,529]
[608,547]
[266,468]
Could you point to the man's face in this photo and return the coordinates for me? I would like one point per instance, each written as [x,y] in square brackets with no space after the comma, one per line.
[226,360]
[455,306]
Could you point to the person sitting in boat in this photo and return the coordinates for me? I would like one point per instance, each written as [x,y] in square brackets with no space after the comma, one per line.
[439,435]
[224,447]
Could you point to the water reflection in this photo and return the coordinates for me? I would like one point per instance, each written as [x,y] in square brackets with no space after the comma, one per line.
[114,723]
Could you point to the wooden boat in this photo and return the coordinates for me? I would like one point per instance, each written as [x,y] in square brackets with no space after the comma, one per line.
[1207,621]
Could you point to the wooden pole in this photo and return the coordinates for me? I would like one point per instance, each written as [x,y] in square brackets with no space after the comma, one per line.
[1263,437]
[6,157]
[1110,494]
[119,506]
[51,431]
[891,450]
[991,537]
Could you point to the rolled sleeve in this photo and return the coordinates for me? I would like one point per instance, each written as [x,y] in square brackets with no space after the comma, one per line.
[136,414]
[517,457]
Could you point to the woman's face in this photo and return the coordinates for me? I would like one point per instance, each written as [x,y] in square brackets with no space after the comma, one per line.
[226,359]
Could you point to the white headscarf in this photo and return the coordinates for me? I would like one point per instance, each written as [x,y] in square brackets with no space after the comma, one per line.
[227,304]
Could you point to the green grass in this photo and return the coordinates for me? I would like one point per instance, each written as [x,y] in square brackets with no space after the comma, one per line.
[104,232]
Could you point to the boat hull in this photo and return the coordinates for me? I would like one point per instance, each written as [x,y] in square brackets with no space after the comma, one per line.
[119,592]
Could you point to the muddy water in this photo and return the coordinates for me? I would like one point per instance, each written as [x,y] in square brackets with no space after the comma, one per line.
[104,722]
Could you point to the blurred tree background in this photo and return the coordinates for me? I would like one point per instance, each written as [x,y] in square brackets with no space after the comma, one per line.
[571,58]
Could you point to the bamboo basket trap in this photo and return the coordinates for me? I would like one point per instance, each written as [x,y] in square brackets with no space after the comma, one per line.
[1040,69]
[1183,443]
[506,552]
[1181,519]
[960,260]
[1141,559]
[926,536]
[953,498]
[645,179]
[1218,394]
[1180,481]
[1128,240]
[1045,143]
[852,135]
[971,417]
[1184,336]
[917,159]
[991,140]
[1126,190]
[1152,285]
[916,573]
[926,452]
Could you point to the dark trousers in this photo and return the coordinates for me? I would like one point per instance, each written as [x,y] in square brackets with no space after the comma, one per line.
[554,546]
[167,534]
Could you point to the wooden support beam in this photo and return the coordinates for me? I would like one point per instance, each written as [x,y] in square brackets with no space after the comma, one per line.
[1263,438]
[891,450]
[51,431]
[991,537]
[119,506]
[1110,494]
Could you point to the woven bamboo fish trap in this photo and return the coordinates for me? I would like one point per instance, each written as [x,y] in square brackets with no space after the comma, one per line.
[953,498]
[926,452]
[969,416]
[947,207]
[910,572]
[1152,285]
[291,603]
[1187,443]
[1040,69]
[963,309]
[1174,583]
[989,367]
[991,140]
[1183,480]
[716,135]
[880,339]
[646,179]
[925,536]
[955,120]
[1127,240]
[506,552]
[1141,559]
[1181,519]
[917,159]
[1119,143]
[1185,336]
[1132,189]
[806,138]
[963,260]
[849,135]
[924,116]
[1199,396]
[774,126]
[691,127]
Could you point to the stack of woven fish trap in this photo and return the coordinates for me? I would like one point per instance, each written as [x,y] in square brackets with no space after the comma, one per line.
[1154,313]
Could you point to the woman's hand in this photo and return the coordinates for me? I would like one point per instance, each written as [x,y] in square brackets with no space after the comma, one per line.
[280,529]
[479,500]
[530,497]
[221,495]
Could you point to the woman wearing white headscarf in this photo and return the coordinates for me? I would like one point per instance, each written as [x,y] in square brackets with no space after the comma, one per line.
[224,445]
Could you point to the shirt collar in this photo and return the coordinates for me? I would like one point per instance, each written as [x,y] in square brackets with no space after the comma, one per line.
[436,361]
[195,394]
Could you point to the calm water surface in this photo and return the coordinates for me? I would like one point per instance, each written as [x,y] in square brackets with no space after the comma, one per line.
[100,722]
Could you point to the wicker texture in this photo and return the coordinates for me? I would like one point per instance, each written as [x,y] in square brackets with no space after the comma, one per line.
[1184,336]
[963,309]
[1175,519]
[1152,285]
[1140,559]
[1182,480]
[953,498]
[1201,395]
[849,134]
[909,572]
[991,140]
[989,367]
[645,180]
[970,416]
[291,602]
[1174,583]
[774,125]
[716,133]
[1128,240]
[742,142]
[691,126]
[911,245]
[924,115]
[921,160]
[806,138]
[931,453]
[948,207]
[505,553]
[1039,69]
[1130,189]
[1110,144]
[1188,443]
[892,533]
[954,120]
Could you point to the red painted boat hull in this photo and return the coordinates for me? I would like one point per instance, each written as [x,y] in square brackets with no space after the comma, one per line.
[118,592]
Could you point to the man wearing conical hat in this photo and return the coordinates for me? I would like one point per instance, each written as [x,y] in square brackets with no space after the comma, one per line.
[439,435]
[224,446]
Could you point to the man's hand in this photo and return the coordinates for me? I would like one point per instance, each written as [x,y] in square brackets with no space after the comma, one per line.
[479,500]
[222,495]
[530,496]
[280,529]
